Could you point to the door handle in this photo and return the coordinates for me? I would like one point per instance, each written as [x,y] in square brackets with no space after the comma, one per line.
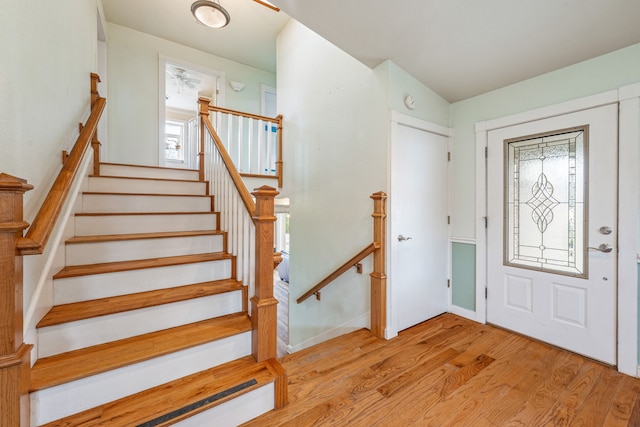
[602,248]
[402,238]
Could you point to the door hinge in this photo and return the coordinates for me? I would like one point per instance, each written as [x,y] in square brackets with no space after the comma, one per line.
[448,283]
[449,155]
[486,293]
[486,152]
[449,219]
[486,222]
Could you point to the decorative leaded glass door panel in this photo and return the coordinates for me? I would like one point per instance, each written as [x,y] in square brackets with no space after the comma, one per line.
[551,200]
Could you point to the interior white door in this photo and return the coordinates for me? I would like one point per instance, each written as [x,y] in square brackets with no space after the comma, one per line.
[551,237]
[418,225]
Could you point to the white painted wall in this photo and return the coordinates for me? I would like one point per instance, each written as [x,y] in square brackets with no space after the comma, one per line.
[336,130]
[335,133]
[133,90]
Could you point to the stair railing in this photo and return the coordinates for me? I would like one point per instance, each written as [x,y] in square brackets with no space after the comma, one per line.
[15,354]
[253,142]
[250,233]
[378,275]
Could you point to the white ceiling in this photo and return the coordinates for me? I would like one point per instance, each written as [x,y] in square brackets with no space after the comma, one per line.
[458,48]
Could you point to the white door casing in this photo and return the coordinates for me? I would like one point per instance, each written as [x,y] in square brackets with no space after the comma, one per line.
[576,313]
[418,208]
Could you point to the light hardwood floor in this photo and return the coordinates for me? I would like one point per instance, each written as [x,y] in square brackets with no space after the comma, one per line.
[449,371]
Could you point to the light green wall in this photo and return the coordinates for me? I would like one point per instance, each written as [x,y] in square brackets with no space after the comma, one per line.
[48,51]
[463,278]
[430,106]
[597,75]
[133,90]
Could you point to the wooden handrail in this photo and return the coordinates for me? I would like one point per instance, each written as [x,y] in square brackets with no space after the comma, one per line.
[247,200]
[340,270]
[38,234]
[277,119]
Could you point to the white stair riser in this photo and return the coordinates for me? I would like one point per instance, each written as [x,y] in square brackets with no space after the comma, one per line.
[94,286]
[147,186]
[98,330]
[143,172]
[60,401]
[236,411]
[112,251]
[138,203]
[127,224]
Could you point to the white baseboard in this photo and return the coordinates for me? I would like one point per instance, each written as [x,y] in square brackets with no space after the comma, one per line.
[463,312]
[360,322]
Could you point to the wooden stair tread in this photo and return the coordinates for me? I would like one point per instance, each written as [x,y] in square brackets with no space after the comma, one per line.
[139,236]
[141,213]
[147,167]
[77,364]
[111,267]
[145,178]
[100,307]
[151,404]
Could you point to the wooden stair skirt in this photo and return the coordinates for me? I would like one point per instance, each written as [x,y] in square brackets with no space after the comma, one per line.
[149,325]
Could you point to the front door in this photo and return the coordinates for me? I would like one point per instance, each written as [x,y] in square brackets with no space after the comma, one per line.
[551,233]
[418,225]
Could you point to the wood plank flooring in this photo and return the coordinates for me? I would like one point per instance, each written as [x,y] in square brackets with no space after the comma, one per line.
[450,371]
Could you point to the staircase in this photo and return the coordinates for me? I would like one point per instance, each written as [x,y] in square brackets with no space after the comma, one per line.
[149,325]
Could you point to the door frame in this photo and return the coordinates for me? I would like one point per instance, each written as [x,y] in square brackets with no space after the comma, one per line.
[163,60]
[628,99]
[396,120]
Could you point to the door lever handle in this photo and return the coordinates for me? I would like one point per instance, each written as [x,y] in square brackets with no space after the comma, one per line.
[402,238]
[602,248]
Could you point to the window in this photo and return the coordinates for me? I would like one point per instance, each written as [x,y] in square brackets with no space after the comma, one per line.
[545,201]
[174,142]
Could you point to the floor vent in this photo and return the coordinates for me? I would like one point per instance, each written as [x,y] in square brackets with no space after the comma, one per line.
[195,405]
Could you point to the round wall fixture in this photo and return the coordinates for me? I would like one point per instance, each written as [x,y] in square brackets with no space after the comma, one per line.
[410,102]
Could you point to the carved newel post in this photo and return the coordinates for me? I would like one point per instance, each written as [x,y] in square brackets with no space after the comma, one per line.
[379,276]
[263,304]
[14,353]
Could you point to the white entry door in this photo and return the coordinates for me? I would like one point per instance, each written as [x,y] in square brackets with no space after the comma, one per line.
[551,237]
[418,225]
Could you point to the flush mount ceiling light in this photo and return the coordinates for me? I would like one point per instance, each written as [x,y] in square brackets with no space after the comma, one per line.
[210,14]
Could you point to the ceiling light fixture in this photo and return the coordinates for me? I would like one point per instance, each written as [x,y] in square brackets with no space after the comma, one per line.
[210,14]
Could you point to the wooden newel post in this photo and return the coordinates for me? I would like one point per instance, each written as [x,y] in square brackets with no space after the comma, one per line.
[204,112]
[95,143]
[379,276]
[14,353]
[263,305]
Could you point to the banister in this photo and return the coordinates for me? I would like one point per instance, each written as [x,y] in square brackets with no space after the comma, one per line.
[340,270]
[235,176]
[42,226]
[247,200]
[378,275]
[277,164]
[277,119]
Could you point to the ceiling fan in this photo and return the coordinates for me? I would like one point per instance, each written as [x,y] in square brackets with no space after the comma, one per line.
[182,79]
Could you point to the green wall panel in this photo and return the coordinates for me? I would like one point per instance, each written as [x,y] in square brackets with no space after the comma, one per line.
[463,276]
